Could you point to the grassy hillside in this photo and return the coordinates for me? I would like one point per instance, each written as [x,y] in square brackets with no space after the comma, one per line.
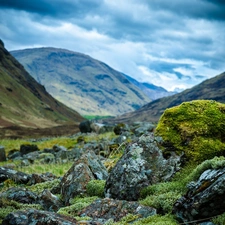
[211,89]
[81,82]
[24,102]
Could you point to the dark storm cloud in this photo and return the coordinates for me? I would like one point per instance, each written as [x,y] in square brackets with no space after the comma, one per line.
[175,43]
[55,8]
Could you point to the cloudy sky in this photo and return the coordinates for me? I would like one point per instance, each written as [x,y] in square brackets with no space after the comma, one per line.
[173,44]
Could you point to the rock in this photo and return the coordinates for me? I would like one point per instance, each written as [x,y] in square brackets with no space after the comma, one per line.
[46,158]
[120,128]
[85,126]
[2,154]
[40,178]
[13,154]
[87,168]
[143,128]
[204,199]
[100,128]
[16,176]
[49,201]
[142,164]
[37,217]
[195,128]
[115,209]
[21,195]
[25,149]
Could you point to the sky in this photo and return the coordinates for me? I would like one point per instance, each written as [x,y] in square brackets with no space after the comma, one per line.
[174,44]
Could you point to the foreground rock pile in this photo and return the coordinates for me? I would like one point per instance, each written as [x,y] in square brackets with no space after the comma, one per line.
[146,160]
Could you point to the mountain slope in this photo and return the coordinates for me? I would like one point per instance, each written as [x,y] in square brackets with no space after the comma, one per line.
[81,82]
[151,90]
[211,89]
[24,102]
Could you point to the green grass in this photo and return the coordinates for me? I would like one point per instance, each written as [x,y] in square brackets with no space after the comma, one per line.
[96,117]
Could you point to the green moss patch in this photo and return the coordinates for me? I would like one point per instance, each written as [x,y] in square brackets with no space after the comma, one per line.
[196,128]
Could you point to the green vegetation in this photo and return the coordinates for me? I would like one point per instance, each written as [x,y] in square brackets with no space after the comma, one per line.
[195,128]
[77,204]
[96,188]
[96,117]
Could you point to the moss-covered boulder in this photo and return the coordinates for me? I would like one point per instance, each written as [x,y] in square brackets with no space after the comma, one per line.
[195,128]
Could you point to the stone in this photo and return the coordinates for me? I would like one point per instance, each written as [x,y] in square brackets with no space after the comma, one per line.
[2,154]
[21,195]
[115,209]
[49,201]
[85,126]
[37,217]
[27,148]
[142,164]
[204,199]
[40,178]
[16,176]
[84,169]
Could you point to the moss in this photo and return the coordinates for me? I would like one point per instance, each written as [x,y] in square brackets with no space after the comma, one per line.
[196,128]
[151,220]
[38,188]
[77,204]
[8,206]
[219,220]
[96,188]
[162,202]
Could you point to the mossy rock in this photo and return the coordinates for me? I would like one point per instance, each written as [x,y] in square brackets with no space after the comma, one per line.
[196,128]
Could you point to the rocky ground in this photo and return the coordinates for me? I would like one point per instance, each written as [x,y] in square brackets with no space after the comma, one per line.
[133,177]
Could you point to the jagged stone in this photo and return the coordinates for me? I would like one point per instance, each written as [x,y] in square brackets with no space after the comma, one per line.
[37,217]
[116,209]
[16,176]
[87,168]
[204,199]
[142,164]
[49,201]
[40,178]
[21,195]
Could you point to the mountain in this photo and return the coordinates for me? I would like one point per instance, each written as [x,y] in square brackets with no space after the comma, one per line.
[81,82]
[151,90]
[26,103]
[211,89]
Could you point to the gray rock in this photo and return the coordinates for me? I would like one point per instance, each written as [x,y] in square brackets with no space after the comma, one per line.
[37,217]
[204,199]
[40,178]
[14,154]
[21,195]
[2,154]
[16,176]
[87,168]
[49,201]
[115,209]
[142,164]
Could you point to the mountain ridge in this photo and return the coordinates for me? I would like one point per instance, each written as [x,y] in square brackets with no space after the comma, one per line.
[210,89]
[81,82]
[24,102]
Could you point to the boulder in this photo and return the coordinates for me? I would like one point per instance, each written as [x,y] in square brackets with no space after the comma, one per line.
[16,176]
[85,126]
[37,217]
[2,154]
[115,209]
[194,128]
[100,128]
[142,164]
[40,178]
[27,148]
[87,168]
[21,195]
[204,199]
[49,201]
